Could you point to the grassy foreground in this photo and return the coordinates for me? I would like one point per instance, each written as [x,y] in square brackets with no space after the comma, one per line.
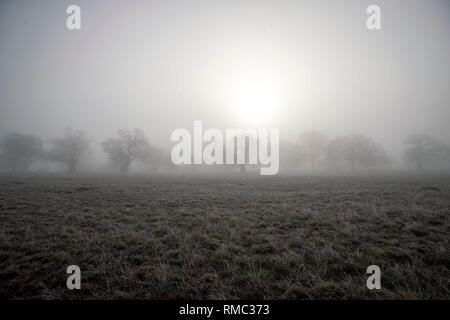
[165,237]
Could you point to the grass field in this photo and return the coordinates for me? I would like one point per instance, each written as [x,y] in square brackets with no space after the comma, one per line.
[164,237]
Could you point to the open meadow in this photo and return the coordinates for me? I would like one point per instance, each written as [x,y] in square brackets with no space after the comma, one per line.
[239,237]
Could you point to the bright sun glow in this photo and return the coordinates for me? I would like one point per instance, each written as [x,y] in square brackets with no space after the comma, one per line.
[255,98]
[253,83]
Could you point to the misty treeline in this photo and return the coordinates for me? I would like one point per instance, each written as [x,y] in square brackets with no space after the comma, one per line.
[20,151]
[313,151]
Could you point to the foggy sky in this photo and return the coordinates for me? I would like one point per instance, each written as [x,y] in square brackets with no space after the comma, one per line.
[160,65]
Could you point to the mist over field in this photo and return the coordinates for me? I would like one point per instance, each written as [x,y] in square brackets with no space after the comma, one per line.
[88,176]
[159,66]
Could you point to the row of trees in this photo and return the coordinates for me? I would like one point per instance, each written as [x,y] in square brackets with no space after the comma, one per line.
[355,150]
[313,149]
[424,149]
[20,150]
[360,151]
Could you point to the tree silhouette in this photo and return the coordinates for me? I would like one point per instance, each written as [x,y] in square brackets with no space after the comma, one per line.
[129,146]
[357,149]
[423,148]
[19,149]
[69,149]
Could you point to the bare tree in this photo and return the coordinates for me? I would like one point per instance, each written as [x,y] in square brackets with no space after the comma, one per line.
[423,148]
[357,149]
[312,145]
[129,146]
[70,148]
[19,150]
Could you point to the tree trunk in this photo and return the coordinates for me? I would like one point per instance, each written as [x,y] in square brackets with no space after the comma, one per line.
[125,167]
[419,163]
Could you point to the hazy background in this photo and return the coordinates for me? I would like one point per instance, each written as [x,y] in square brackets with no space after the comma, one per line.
[160,65]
